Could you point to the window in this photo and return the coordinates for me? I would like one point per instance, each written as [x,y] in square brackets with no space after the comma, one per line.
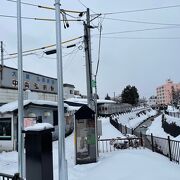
[47,80]
[27,76]
[55,118]
[52,81]
[44,87]
[38,79]
[39,119]
[71,91]
[43,79]
[5,129]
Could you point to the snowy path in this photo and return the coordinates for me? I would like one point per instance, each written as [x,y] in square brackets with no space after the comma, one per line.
[136,164]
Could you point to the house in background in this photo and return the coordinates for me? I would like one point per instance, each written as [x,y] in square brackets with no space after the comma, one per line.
[68,91]
[152,101]
[35,111]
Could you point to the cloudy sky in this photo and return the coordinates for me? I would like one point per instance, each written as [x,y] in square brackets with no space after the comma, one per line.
[140,48]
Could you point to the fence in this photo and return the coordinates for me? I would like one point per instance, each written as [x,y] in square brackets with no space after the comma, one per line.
[173,114]
[9,177]
[167,147]
[108,145]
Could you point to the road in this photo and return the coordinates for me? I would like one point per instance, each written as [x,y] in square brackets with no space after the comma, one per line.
[144,126]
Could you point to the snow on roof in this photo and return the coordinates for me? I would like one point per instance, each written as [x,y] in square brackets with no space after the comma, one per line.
[12,106]
[39,127]
[84,101]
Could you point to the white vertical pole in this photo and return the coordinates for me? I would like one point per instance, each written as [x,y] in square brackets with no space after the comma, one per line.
[61,124]
[20,92]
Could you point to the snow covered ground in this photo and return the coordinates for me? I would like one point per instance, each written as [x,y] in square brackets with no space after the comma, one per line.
[131,120]
[157,130]
[135,164]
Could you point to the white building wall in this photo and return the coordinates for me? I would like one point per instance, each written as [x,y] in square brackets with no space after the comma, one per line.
[9,95]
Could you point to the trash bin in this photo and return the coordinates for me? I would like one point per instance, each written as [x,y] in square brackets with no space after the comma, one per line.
[39,161]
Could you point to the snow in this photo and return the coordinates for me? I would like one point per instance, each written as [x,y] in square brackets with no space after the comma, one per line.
[172,109]
[39,127]
[129,164]
[131,120]
[108,131]
[9,107]
[157,130]
[84,101]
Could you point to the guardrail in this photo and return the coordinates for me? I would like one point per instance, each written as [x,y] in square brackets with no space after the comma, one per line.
[165,146]
[10,177]
[109,145]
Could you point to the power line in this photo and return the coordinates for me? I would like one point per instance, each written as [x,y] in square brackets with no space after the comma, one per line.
[99,49]
[46,7]
[45,47]
[142,38]
[142,22]
[86,6]
[36,18]
[140,30]
[141,10]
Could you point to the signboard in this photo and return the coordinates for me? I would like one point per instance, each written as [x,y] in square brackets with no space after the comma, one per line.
[85,137]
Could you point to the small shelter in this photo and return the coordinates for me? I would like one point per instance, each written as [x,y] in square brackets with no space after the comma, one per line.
[35,111]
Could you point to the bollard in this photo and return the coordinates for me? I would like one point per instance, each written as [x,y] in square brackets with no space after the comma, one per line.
[39,161]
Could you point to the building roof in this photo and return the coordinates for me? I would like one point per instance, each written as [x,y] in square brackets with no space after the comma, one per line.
[68,85]
[12,106]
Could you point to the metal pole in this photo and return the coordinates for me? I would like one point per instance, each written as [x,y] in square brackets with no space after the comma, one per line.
[87,43]
[96,120]
[61,124]
[20,92]
[2,60]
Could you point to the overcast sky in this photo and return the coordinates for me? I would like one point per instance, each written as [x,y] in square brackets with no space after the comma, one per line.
[144,59]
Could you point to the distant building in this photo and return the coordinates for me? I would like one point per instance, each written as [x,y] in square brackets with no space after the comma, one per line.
[68,91]
[42,87]
[165,92]
[152,101]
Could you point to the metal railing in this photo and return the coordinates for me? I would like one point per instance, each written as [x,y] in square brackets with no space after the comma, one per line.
[109,145]
[10,177]
[165,146]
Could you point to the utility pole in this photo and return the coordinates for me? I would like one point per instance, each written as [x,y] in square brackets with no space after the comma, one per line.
[87,42]
[62,163]
[20,93]
[2,60]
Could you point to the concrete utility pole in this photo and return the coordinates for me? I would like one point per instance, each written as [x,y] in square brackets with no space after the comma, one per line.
[20,93]
[62,163]
[87,42]
[2,59]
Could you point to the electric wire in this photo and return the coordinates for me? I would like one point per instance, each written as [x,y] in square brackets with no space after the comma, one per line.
[45,7]
[142,22]
[86,6]
[99,49]
[142,10]
[36,18]
[142,38]
[139,30]
[49,46]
